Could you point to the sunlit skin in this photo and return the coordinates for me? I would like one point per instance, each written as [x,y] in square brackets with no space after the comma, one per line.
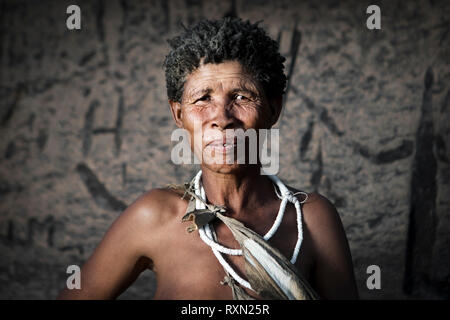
[149,233]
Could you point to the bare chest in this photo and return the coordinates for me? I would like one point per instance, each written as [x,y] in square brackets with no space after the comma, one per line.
[186,267]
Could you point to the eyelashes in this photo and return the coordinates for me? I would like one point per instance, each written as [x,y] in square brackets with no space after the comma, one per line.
[240,98]
[204,98]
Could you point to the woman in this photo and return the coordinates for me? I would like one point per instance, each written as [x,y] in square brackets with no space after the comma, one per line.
[223,76]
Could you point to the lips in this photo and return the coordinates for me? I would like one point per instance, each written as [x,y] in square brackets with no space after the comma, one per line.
[218,143]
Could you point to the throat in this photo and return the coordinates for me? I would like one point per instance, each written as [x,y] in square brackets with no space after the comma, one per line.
[242,198]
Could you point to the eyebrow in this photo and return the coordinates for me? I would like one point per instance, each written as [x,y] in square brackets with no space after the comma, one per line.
[197,92]
[246,89]
[241,87]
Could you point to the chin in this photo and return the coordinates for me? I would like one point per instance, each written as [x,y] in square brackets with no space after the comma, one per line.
[232,168]
[218,163]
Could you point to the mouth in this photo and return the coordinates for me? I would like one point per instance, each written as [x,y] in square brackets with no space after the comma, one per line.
[219,143]
[222,145]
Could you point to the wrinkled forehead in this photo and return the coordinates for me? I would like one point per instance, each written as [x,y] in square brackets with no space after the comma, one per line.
[221,77]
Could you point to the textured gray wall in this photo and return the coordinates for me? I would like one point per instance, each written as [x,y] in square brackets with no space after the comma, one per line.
[85,129]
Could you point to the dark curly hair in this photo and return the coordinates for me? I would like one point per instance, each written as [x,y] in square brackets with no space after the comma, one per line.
[220,40]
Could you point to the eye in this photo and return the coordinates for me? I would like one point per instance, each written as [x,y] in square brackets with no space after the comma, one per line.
[203,98]
[240,97]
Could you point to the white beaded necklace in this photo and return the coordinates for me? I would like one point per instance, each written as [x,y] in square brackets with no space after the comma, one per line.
[206,232]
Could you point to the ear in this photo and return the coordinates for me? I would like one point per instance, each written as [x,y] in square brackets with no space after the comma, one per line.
[276,104]
[175,108]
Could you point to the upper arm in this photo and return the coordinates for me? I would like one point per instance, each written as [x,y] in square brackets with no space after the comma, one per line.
[122,254]
[333,275]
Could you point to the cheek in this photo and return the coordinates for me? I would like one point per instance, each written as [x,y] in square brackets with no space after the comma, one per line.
[192,122]
[253,117]
[191,118]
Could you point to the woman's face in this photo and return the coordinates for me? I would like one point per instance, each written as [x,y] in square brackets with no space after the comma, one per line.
[216,98]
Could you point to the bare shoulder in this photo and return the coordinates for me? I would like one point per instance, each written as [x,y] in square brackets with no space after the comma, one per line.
[322,220]
[128,247]
[331,250]
[155,207]
[145,220]
[319,211]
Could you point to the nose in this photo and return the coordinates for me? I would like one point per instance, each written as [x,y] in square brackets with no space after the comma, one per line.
[223,117]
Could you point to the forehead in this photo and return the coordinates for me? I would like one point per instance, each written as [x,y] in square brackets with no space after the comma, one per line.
[227,75]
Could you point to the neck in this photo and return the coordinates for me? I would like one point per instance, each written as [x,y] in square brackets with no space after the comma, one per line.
[241,192]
